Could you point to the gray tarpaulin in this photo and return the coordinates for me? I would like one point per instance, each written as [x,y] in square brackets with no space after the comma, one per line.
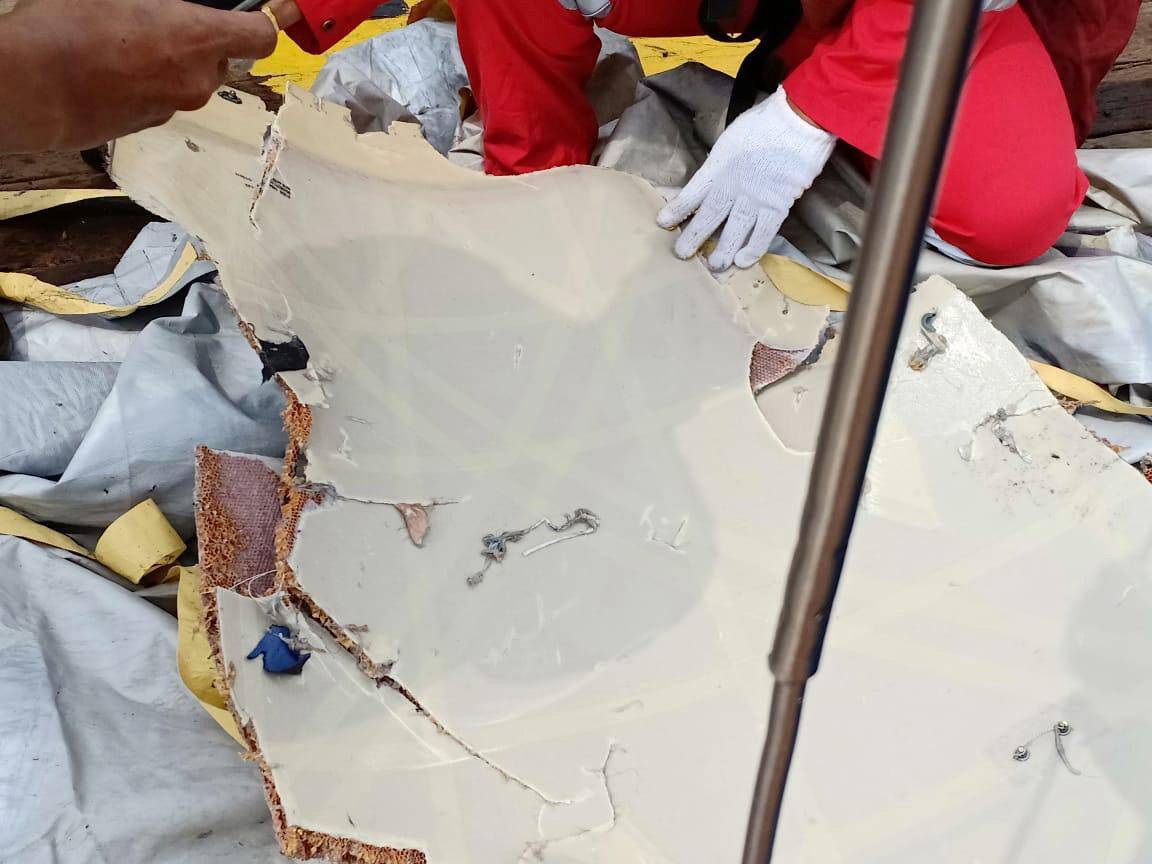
[47,409]
[417,72]
[188,379]
[413,71]
[100,414]
[148,260]
[105,758]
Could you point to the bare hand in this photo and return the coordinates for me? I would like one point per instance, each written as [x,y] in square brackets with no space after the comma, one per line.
[286,11]
[78,73]
[437,10]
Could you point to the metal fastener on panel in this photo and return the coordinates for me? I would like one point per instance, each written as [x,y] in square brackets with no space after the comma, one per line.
[1021,754]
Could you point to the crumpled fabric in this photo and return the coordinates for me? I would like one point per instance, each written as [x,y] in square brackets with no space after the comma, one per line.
[1121,182]
[105,758]
[47,409]
[42,336]
[104,338]
[415,72]
[1082,306]
[668,131]
[188,379]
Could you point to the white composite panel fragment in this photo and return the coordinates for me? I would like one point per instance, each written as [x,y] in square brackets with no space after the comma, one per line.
[503,350]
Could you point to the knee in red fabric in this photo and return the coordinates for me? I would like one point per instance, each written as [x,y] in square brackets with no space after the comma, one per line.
[1003,228]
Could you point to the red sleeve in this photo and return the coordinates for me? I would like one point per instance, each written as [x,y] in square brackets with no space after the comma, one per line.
[1084,39]
[326,22]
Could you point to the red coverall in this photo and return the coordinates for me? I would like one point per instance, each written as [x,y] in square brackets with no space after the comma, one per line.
[1010,180]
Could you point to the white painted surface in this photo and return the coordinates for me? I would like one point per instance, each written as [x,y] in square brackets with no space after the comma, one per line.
[990,590]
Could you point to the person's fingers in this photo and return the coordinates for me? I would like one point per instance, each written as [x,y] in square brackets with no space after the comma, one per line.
[767,227]
[145,118]
[286,11]
[703,224]
[242,35]
[195,97]
[687,201]
[737,227]
[196,84]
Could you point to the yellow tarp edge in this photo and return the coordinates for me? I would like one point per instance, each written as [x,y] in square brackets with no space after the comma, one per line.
[1084,391]
[27,289]
[139,542]
[289,62]
[194,652]
[13,204]
[15,524]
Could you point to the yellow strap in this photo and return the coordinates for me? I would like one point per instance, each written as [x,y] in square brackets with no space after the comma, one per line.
[139,542]
[1084,391]
[194,653]
[27,289]
[13,204]
[16,525]
[804,285]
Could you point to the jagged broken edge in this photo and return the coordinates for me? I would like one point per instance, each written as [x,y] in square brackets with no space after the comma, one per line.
[217,540]
[296,494]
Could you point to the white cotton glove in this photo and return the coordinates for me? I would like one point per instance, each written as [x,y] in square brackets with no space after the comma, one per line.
[760,165]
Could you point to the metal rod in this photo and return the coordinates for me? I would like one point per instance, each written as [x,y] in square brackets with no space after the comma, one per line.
[931,76]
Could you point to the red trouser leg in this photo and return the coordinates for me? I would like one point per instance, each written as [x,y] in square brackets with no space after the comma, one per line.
[529,62]
[1010,179]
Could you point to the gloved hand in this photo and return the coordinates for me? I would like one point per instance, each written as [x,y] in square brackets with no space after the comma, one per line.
[759,167]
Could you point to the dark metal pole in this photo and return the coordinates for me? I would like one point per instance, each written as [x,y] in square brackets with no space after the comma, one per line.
[931,75]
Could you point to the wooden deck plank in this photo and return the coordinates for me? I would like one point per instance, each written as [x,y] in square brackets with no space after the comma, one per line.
[1124,99]
[23,171]
[80,240]
[71,242]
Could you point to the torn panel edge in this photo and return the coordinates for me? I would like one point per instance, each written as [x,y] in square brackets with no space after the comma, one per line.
[304,843]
